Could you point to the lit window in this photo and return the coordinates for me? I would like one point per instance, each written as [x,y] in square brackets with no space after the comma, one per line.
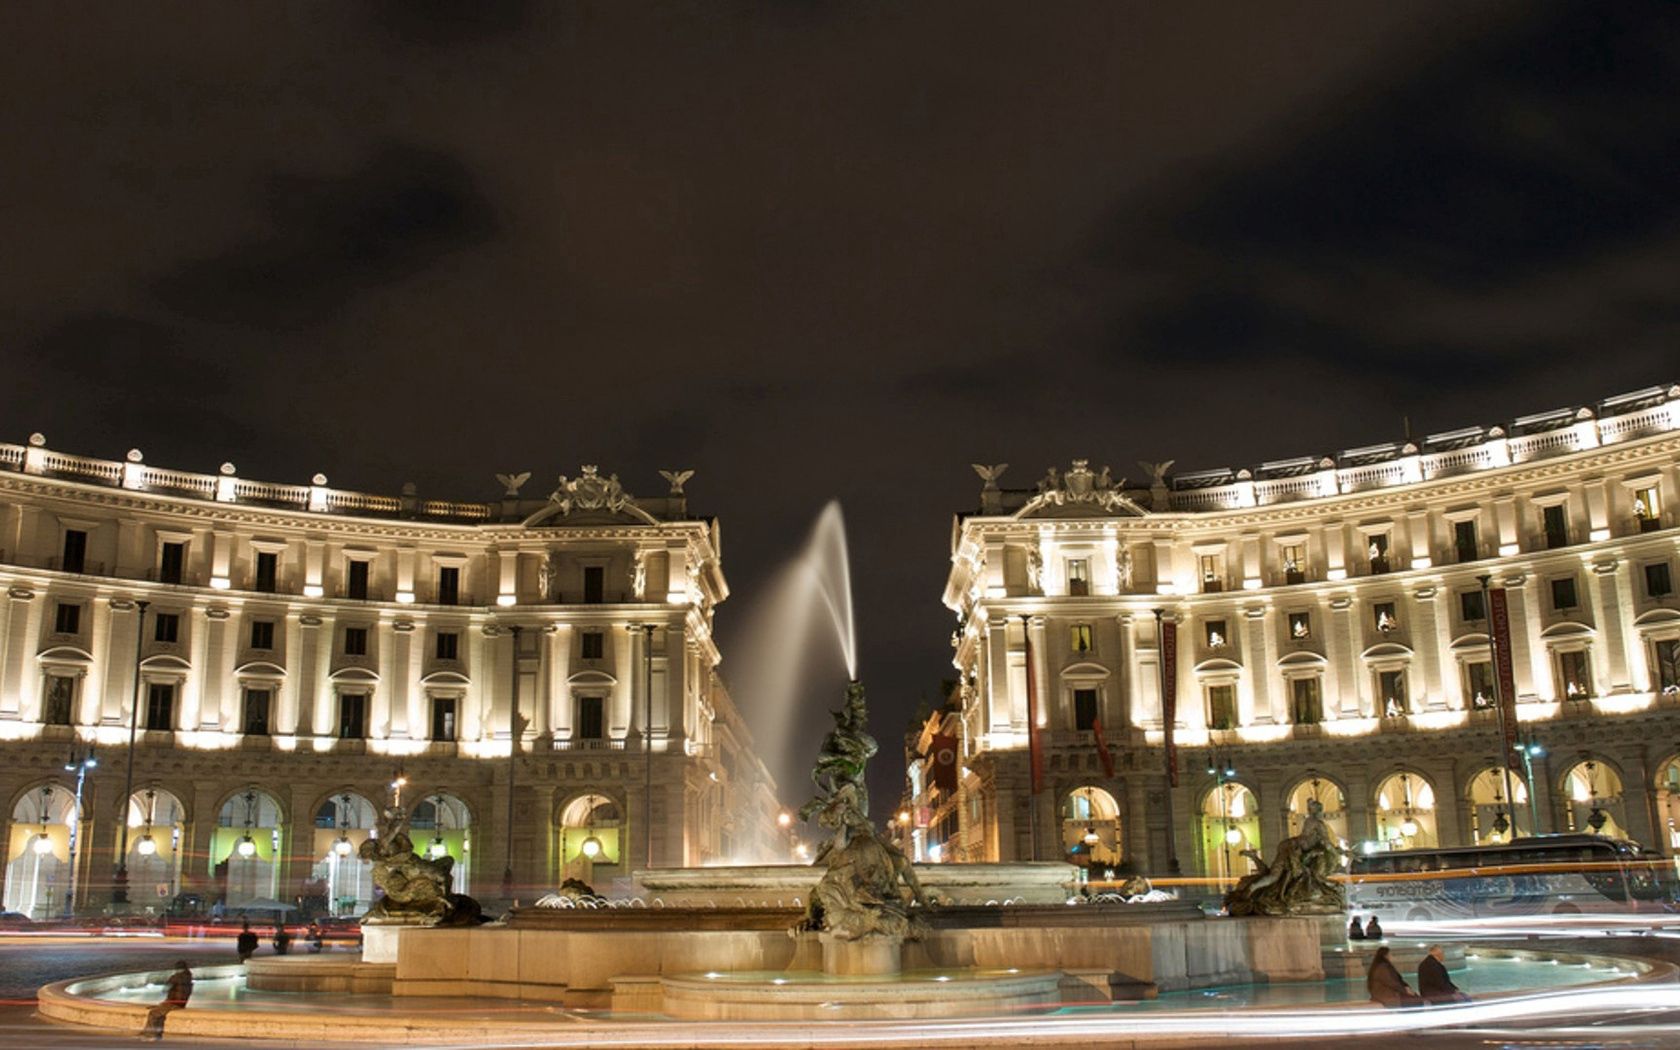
[1294,563]
[1386,618]
[1081,637]
[1647,509]
[1079,576]
[1391,691]
[1376,551]
[1574,675]
[1478,684]
[1212,573]
[1215,634]
[1300,626]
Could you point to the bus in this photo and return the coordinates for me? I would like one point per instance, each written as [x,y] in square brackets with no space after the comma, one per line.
[1539,875]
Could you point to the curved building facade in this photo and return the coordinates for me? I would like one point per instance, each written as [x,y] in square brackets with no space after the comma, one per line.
[535,677]
[1330,639]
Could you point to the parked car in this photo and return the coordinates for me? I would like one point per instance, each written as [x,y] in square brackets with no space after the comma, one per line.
[15,920]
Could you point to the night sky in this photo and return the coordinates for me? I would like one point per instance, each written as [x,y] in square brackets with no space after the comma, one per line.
[823,250]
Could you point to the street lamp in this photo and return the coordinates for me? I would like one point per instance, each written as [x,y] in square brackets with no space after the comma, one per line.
[119,888]
[1224,772]
[79,763]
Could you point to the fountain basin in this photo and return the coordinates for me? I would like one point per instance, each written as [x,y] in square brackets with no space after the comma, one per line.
[1043,882]
[807,996]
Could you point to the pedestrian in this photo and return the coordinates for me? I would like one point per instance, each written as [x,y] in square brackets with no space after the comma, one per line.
[1435,985]
[1373,930]
[1356,932]
[317,940]
[282,939]
[1386,985]
[175,996]
[247,943]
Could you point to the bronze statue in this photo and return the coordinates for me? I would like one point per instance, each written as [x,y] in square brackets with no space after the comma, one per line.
[1299,879]
[416,889]
[860,894]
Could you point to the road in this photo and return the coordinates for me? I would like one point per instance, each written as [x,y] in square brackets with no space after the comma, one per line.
[26,963]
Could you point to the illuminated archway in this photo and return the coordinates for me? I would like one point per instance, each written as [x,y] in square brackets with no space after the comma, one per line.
[1091,829]
[245,850]
[591,837]
[1493,818]
[442,827]
[1329,795]
[38,852]
[343,821]
[1230,823]
[1405,811]
[1592,793]
[1668,804]
[157,825]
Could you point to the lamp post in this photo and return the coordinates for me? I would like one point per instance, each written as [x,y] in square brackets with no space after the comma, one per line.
[1499,701]
[119,888]
[513,764]
[78,763]
[1530,749]
[647,738]
[1224,771]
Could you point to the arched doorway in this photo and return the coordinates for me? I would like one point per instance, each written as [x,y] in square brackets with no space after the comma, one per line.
[591,832]
[442,827]
[1091,830]
[156,844]
[1594,804]
[1406,812]
[1328,794]
[245,849]
[342,823]
[38,852]
[1668,804]
[1230,819]
[1492,818]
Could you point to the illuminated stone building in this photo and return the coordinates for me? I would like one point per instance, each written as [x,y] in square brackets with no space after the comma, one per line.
[303,648]
[1332,641]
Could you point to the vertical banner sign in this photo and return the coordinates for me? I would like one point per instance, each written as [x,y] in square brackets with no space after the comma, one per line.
[1169,695]
[944,754]
[1504,670]
[1103,754]
[1035,749]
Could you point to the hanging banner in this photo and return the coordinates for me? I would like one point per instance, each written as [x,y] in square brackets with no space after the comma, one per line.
[1035,748]
[942,754]
[1103,754]
[1504,671]
[1169,696]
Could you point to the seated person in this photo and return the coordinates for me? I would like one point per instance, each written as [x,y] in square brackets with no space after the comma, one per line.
[1435,985]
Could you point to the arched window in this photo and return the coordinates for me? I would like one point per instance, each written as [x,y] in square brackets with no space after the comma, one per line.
[156,845]
[245,849]
[1405,812]
[38,852]
[591,837]
[342,880]
[1593,792]
[1493,818]
[1668,803]
[1091,830]
[1230,823]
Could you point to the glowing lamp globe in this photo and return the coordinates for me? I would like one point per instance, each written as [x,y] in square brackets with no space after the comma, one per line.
[784,819]
[437,849]
[1091,837]
[342,847]
[1408,827]
[1233,836]
[247,848]
[42,844]
[591,847]
[146,846]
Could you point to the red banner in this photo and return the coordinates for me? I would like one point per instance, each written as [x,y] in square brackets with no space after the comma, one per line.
[1103,753]
[1169,696]
[1504,672]
[942,757]
[1035,749]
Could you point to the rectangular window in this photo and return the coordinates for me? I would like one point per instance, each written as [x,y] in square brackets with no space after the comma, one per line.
[1563,593]
[1294,563]
[1300,625]
[1657,581]
[268,572]
[172,562]
[160,705]
[1084,709]
[594,645]
[1212,578]
[1214,634]
[589,726]
[594,584]
[1471,608]
[1222,706]
[356,580]
[1665,664]
[75,550]
[262,634]
[1376,551]
[352,716]
[355,641]
[1391,692]
[1081,637]
[1385,617]
[1079,576]
[58,700]
[1464,540]
[1478,684]
[166,628]
[449,585]
[1555,523]
[256,711]
[1574,675]
[443,718]
[1647,510]
[67,619]
[448,645]
[1306,695]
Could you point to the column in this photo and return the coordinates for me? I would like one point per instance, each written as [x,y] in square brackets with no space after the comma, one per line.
[1126,670]
[1048,702]
[1260,707]
[397,684]
[627,646]
[208,629]
[1528,650]
[1620,603]
[1349,701]
[119,667]
[303,641]
[1427,642]
[998,679]
[559,670]
[1610,666]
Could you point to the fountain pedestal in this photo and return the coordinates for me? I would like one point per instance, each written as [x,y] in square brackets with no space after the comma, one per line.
[873,956]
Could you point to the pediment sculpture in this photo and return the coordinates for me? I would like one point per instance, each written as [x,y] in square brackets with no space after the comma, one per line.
[1083,486]
[590,491]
